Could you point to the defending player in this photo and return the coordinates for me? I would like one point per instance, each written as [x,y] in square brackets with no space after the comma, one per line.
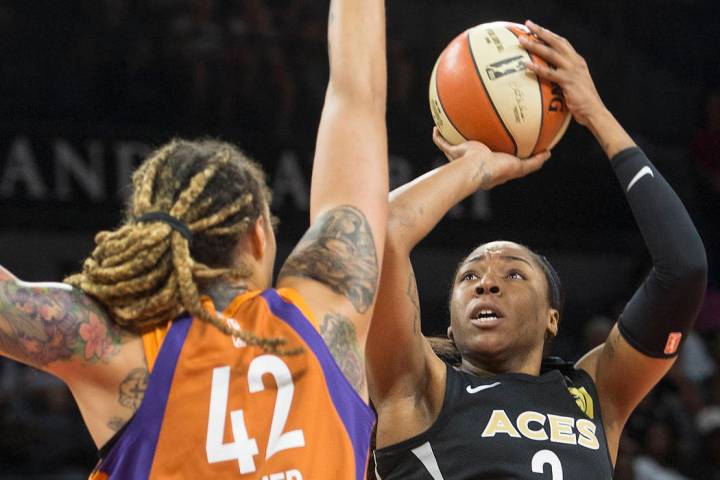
[183,362]
[497,414]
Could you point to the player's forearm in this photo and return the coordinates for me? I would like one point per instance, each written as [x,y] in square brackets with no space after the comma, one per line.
[669,299]
[668,230]
[356,48]
[609,133]
[417,206]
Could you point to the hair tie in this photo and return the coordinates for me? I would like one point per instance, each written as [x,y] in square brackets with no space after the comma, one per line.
[174,223]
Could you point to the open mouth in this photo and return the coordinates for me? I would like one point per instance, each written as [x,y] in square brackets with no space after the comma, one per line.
[488,314]
[485,315]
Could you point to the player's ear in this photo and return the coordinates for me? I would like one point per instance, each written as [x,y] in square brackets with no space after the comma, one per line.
[257,237]
[553,320]
[450,334]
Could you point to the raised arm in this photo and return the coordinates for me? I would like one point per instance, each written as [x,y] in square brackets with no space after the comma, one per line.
[336,264]
[403,371]
[643,345]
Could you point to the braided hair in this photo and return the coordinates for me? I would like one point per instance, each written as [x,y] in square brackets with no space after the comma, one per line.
[145,272]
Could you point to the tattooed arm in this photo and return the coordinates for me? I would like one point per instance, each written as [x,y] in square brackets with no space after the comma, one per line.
[406,379]
[335,266]
[42,324]
[58,329]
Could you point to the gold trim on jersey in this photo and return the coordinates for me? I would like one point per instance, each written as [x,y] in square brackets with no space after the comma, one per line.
[584,400]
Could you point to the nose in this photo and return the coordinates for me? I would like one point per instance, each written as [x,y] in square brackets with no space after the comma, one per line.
[487,285]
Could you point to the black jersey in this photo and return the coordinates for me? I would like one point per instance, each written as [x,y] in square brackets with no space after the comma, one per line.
[508,426]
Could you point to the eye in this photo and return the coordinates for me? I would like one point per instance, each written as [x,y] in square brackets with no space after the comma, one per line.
[468,276]
[515,275]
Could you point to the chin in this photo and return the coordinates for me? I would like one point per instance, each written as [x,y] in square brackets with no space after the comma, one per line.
[488,347]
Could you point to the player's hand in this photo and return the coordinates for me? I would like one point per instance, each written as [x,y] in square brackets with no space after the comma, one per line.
[489,168]
[571,72]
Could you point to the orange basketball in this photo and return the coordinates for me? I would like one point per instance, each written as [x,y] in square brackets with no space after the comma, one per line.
[481,90]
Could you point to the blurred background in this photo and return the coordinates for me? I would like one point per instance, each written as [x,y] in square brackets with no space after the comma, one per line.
[88,87]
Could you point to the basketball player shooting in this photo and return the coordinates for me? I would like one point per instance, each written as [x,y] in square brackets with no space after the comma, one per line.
[183,360]
[496,413]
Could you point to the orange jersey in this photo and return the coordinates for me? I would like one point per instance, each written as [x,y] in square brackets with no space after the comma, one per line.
[216,408]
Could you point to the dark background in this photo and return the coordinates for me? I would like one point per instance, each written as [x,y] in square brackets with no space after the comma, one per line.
[87,87]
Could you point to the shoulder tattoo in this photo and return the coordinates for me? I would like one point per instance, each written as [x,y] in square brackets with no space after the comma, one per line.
[339,251]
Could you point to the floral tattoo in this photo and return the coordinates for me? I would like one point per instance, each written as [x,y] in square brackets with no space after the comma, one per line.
[45,323]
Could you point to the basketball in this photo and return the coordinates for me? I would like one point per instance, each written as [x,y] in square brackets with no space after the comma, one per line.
[481,90]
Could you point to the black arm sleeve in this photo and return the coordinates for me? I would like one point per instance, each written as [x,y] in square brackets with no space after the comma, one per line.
[663,309]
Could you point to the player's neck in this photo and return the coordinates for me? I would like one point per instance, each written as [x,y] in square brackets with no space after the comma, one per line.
[528,364]
[223,293]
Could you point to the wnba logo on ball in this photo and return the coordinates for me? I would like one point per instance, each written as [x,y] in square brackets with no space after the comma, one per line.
[505,67]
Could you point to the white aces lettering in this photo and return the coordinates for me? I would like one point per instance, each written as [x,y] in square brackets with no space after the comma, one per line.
[539,427]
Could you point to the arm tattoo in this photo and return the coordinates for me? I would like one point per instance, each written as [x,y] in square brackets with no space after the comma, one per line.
[130,395]
[41,324]
[132,388]
[483,175]
[339,251]
[339,335]
[116,423]
[412,294]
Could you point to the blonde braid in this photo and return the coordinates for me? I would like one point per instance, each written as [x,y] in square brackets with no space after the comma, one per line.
[144,178]
[196,187]
[144,272]
[223,214]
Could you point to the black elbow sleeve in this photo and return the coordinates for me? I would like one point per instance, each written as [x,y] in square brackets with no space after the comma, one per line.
[663,309]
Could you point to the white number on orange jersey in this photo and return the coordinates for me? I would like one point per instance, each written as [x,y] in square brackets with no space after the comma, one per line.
[547,457]
[243,448]
[278,440]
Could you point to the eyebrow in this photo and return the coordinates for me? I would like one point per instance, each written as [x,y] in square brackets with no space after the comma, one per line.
[504,257]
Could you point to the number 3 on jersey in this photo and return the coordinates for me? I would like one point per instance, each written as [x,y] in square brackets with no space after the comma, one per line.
[547,457]
[243,448]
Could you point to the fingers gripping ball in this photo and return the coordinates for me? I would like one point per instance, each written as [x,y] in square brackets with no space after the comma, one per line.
[481,90]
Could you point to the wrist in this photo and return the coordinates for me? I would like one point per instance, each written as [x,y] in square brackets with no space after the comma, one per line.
[477,175]
[599,119]
[611,136]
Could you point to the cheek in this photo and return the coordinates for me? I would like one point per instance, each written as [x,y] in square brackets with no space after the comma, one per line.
[530,308]
[456,304]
